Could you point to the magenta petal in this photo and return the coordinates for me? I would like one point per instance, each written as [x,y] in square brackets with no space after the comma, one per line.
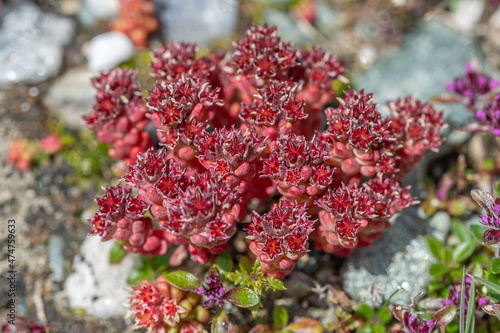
[491,236]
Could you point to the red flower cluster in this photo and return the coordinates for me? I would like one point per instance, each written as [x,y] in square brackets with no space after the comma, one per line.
[298,167]
[159,307]
[229,155]
[373,155]
[121,216]
[207,211]
[119,115]
[136,20]
[173,60]
[416,127]
[249,126]
[280,236]
[181,111]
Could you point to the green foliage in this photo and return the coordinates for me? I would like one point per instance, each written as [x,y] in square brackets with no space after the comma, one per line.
[462,302]
[280,317]
[478,231]
[150,269]
[242,297]
[470,322]
[220,323]
[365,312]
[492,286]
[142,273]
[225,264]
[117,253]
[304,325]
[495,266]
[251,276]
[86,155]
[183,280]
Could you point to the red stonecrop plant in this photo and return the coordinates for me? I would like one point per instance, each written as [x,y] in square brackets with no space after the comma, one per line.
[280,236]
[119,115]
[249,128]
[160,307]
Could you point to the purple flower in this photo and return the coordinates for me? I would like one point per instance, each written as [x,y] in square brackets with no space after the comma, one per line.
[473,84]
[455,292]
[213,290]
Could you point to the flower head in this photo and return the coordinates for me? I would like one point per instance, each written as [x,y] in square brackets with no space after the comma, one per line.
[213,291]
[473,84]
[281,236]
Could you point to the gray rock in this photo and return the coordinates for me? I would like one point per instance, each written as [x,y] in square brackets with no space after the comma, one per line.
[71,96]
[96,286]
[56,257]
[400,258]
[429,57]
[108,50]
[197,21]
[31,43]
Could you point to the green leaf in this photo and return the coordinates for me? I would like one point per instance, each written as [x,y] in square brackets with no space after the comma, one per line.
[463,251]
[470,323]
[444,316]
[379,328]
[244,264]
[390,297]
[280,317]
[462,303]
[460,230]
[497,189]
[365,312]
[495,266]
[488,284]
[477,232]
[438,269]
[446,255]
[384,315]
[275,283]
[117,253]
[224,264]
[220,323]
[435,246]
[477,269]
[183,280]
[242,297]
[139,274]
[304,325]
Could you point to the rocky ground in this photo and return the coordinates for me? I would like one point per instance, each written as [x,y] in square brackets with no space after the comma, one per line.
[64,278]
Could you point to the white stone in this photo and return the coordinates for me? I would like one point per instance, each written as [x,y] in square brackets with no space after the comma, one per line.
[108,50]
[98,287]
[468,14]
